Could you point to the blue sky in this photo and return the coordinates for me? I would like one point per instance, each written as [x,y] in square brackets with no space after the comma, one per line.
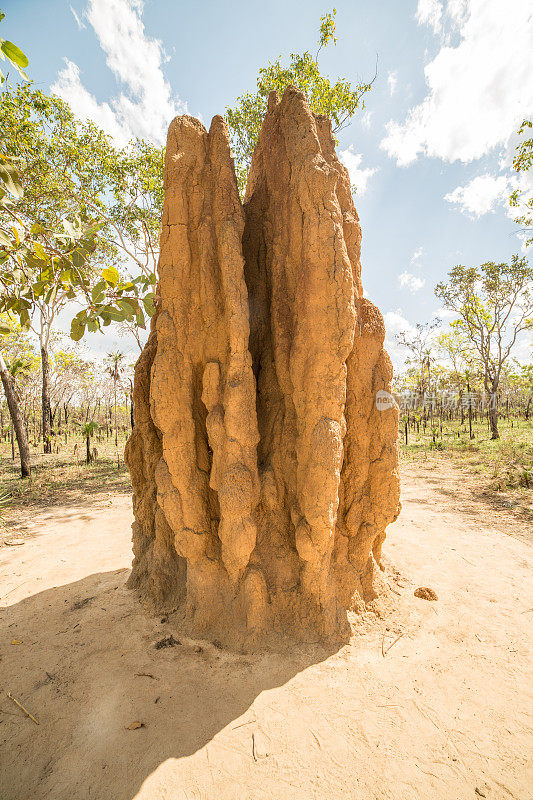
[430,154]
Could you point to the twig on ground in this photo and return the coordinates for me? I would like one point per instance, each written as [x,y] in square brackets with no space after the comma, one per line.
[12,590]
[21,707]
[383,651]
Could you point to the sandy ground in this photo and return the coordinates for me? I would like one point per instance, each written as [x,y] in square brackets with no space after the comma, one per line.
[430,700]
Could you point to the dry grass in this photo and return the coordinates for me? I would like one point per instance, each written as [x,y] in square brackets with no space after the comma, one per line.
[62,478]
[502,469]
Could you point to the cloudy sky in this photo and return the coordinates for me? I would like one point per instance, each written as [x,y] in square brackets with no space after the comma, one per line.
[430,154]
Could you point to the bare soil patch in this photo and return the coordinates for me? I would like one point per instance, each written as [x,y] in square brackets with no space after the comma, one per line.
[430,699]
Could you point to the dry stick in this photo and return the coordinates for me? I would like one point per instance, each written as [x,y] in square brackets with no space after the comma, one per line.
[12,590]
[384,653]
[394,642]
[21,707]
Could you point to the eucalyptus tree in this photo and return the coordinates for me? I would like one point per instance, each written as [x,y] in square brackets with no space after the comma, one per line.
[48,240]
[494,304]
[15,363]
[419,343]
[338,100]
[114,367]
[523,162]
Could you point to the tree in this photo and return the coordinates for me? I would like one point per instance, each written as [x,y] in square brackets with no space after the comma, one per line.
[338,101]
[419,343]
[72,182]
[8,373]
[68,374]
[87,430]
[9,179]
[13,54]
[114,368]
[47,239]
[526,382]
[494,303]
[522,162]
[17,419]
[456,348]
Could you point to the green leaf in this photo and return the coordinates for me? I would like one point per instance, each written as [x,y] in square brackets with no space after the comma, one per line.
[10,177]
[148,302]
[139,318]
[77,329]
[15,54]
[40,252]
[128,307]
[98,291]
[93,325]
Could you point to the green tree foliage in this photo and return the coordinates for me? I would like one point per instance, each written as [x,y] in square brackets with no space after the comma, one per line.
[522,162]
[456,348]
[87,431]
[494,303]
[13,55]
[420,362]
[81,204]
[338,100]
[114,367]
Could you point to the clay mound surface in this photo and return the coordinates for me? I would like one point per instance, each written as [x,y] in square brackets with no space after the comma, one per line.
[264,472]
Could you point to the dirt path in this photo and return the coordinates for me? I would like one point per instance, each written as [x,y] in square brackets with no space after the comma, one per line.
[444,714]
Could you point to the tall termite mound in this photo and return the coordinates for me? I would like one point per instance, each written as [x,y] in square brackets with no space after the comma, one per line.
[264,472]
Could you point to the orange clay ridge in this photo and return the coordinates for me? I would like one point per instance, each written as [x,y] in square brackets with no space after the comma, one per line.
[264,474]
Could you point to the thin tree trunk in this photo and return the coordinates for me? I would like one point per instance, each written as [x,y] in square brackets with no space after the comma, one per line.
[116,426]
[46,411]
[469,410]
[493,420]
[17,421]
[493,412]
[131,405]
[88,446]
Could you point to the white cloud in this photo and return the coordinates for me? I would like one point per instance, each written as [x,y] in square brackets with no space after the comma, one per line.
[366,120]
[417,255]
[478,91]
[523,351]
[480,195]
[146,105]
[392,80]
[445,314]
[358,177]
[396,323]
[79,21]
[68,85]
[411,282]
[429,12]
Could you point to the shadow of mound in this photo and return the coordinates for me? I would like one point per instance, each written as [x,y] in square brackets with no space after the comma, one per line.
[87,667]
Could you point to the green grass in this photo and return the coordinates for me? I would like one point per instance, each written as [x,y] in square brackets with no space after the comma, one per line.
[63,478]
[503,465]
